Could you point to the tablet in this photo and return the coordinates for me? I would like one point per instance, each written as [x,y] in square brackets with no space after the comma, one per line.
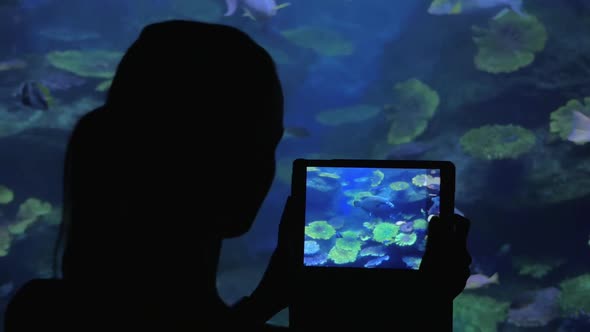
[369,214]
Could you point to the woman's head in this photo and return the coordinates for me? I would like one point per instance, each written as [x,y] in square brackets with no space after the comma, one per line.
[183,149]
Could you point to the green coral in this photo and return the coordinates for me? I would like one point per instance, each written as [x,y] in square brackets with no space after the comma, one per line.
[346,115]
[95,64]
[535,268]
[399,185]
[475,313]
[575,295]
[508,43]
[349,241]
[414,105]
[322,41]
[6,195]
[320,230]
[403,239]
[342,256]
[492,142]
[385,232]
[561,119]
[420,223]
[377,178]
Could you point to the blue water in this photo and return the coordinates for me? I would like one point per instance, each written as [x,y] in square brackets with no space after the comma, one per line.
[526,190]
[367,217]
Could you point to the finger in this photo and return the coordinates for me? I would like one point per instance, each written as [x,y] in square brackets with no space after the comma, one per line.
[462,227]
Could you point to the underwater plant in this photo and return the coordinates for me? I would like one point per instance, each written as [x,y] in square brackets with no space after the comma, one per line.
[95,64]
[508,43]
[349,241]
[345,115]
[377,178]
[561,118]
[420,224]
[405,239]
[575,295]
[535,268]
[320,230]
[399,185]
[28,212]
[478,313]
[322,41]
[342,256]
[310,247]
[494,142]
[385,232]
[6,195]
[414,105]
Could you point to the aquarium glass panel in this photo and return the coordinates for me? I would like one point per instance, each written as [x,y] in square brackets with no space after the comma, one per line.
[499,87]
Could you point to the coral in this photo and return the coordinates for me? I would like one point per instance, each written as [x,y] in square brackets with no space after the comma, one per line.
[310,247]
[508,43]
[534,268]
[329,175]
[407,227]
[347,115]
[5,241]
[535,308]
[377,178]
[420,224]
[575,295]
[29,211]
[349,242]
[561,119]
[320,230]
[414,105]
[6,195]
[385,232]
[318,259]
[322,41]
[557,177]
[420,180]
[96,64]
[492,142]
[405,239]
[342,256]
[478,313]
[399,186]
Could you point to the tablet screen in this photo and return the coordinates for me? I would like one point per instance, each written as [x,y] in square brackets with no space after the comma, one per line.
[368,217]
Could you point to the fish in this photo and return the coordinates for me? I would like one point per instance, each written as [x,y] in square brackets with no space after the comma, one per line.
[12,64]
[455,7]
[376,206]
[580,133]
[255,9]
[476,281]
[376,261]
[35,95]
